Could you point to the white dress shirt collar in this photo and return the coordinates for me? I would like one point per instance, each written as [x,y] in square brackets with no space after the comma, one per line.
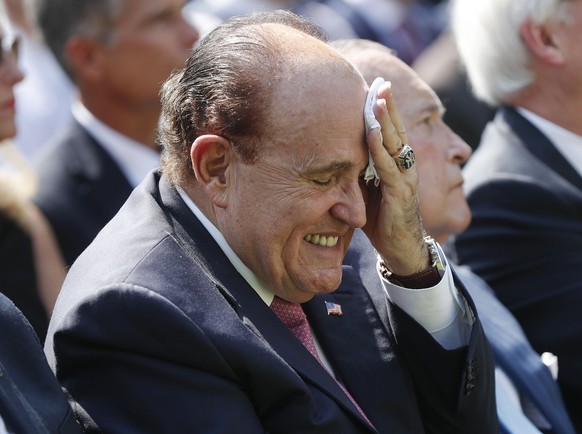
[266,295]
[566,142]
[134,159]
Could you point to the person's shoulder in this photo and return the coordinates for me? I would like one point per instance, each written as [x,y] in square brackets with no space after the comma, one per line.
[501,158]
[72,166]
[500,168]
[126,243]
[10,313]
[130,274]
[71,148]
[16,329]
[41,404]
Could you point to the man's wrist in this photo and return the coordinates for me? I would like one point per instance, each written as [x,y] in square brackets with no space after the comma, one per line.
[427,278]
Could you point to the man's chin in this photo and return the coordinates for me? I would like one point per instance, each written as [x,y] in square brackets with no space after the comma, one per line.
[327,281]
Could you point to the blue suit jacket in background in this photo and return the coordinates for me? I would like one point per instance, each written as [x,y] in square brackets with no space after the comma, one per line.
[31,399]
[515,356]
[525,240]
[80,187]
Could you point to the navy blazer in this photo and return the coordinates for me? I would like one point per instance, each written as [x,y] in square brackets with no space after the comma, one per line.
[80,187]
[18,280]
[31,400]
[515,356]
[525,240]
[155,331]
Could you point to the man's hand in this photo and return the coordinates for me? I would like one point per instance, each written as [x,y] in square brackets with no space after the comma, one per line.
[394,225]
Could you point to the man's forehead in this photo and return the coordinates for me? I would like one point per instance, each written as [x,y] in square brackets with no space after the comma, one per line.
[313,88]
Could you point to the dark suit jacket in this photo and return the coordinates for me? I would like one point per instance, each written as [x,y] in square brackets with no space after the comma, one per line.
[31,400]
[155,331]
[80,188]
[18,274]
[515,356]
[525,240]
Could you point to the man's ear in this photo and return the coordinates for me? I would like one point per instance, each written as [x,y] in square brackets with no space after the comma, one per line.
[211,156]
[85,57]
[541,41]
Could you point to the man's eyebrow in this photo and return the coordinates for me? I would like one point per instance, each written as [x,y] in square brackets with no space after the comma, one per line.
[333,167]
[431,107]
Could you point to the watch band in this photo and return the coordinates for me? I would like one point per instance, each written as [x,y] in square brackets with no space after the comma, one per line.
[424,279]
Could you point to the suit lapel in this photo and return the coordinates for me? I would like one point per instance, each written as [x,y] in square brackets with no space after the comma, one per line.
[291,350]
[539,145]
[359,344]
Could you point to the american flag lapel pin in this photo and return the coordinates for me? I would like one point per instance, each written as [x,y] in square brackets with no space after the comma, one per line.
[333,308]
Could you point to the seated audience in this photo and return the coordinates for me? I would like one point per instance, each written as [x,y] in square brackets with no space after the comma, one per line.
[31,266]
[524,182]
[217,299]
[528,398]
[117,52]
[31,399]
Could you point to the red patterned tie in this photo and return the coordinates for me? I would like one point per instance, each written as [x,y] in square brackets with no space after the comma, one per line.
[292,315]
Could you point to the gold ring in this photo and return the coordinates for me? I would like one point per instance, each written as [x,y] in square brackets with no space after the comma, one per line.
[406,158]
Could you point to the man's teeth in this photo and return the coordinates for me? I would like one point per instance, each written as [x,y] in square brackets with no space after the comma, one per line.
[321,240]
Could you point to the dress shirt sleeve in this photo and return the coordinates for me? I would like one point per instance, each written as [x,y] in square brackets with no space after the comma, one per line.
[440,309]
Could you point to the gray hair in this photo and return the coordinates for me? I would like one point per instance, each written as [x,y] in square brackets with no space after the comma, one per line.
[61,20]
[487,33]
[225,89]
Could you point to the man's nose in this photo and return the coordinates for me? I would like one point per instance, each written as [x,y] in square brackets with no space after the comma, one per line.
[459,150]
[351,206]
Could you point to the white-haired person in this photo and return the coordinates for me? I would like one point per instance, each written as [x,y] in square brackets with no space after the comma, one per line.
[440,154]
[524,183]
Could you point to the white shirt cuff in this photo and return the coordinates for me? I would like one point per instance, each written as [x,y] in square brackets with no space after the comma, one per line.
[440,309]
